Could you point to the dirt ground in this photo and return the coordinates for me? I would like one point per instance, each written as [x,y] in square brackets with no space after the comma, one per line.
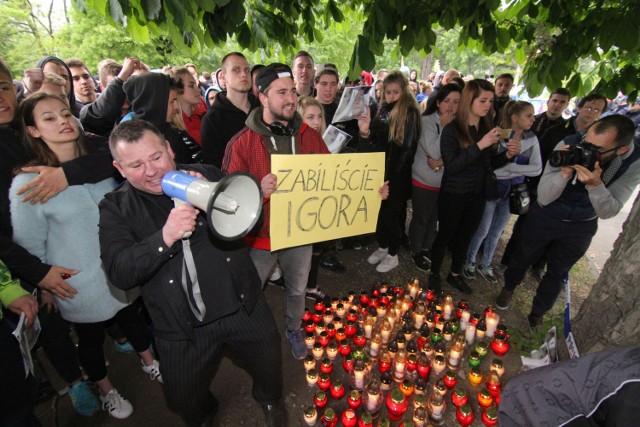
[232,386]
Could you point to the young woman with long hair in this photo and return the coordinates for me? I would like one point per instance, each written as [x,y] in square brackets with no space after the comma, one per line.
[517,116]
[395,131]
[64,232]
[192,105]
[427,171]
[469,154]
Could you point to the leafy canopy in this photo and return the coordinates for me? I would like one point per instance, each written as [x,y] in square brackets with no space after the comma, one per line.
[551,36]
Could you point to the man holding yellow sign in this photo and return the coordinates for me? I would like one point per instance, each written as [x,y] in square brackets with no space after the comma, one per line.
[276,128]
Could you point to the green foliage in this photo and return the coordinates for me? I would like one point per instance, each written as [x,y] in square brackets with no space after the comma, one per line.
[586,44]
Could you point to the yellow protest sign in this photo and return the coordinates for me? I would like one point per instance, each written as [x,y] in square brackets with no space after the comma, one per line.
[324,196]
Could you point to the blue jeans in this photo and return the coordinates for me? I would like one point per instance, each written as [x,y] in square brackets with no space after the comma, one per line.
[495,219]
[295,264]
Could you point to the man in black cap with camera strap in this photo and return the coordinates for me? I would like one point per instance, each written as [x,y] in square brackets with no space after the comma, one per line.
[571,198]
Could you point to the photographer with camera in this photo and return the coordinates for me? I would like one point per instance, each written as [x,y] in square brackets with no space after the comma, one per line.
[587,178]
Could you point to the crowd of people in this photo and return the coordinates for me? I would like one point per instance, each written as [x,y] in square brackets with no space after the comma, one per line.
[76,153]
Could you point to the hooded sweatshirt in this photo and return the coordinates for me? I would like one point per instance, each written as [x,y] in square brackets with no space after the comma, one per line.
[149,97]
[76,106]
[250,151]
[220,124]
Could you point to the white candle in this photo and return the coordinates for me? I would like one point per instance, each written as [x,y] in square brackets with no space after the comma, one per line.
[464,319]
[470,333]
[448,308]
[372,402]
[492,320]
[359,379]
[367,331]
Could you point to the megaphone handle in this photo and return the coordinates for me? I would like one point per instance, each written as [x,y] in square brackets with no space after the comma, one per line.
[177,202]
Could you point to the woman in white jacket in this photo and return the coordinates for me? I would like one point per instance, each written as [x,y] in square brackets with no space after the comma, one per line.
[517,116]
[64,231]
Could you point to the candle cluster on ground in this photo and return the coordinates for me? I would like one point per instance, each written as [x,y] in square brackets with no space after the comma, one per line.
[407,353]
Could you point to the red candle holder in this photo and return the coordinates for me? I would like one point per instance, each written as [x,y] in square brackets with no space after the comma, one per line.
[329,418]
[306,316]
[459,397]
[412,362]
[341,335]
[344,348]
[465,415]
[350,328]
[365,420]
[319,306]
[364,298]
[347,363]
[490,416]
[323,338]
[326,366]
[450,379]
[337,390]
[354,400]
[320,399]
[316,316]
[396,405]
[359,339]
[309,326]
[500,344]
[349,418]
[324,382]
[331,330]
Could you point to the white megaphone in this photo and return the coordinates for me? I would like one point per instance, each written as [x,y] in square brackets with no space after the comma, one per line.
[232,205]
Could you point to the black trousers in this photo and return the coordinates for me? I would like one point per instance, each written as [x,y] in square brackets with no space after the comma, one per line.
[188,365]
[390,226]
[58,346]
[566,242]
[424,219]
[459,216]
[17,392]
[91,339]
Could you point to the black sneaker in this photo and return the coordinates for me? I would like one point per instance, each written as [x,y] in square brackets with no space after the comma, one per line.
[426,254]
[434,282]
[459,283]
[331,263]
[421,262]
[504,299]
[534,320]
[315,293]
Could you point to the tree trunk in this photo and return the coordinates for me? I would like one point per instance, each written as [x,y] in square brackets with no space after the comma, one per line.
[610,315]
[425,66]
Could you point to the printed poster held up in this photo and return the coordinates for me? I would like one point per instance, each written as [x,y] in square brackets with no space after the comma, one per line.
[324,196]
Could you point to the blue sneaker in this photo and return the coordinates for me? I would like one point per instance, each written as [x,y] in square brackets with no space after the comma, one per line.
[84,401]
[298,347]
[125,347]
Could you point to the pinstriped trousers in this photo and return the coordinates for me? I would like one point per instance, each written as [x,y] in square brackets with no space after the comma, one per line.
[187,366]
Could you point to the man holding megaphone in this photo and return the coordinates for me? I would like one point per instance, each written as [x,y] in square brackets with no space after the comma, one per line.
[200,286]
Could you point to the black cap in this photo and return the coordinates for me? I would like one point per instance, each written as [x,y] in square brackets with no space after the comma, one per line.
[270,73]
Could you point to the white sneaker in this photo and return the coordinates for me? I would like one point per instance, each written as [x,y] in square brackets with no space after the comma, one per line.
[388,263]
[378,256]
[116,405]
[153,370]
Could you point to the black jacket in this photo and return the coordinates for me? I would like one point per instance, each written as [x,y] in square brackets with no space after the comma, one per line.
[101,116]
[134,254]
[398,158]
[219,125]
[555,134]
[465,169]
[149,97]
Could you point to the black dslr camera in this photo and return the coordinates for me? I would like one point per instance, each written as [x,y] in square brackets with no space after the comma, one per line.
[583,154]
